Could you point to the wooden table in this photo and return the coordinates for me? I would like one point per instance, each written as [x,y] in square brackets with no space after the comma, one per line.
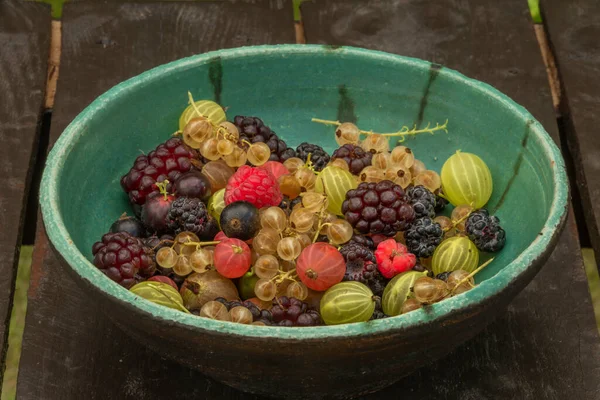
[546,346]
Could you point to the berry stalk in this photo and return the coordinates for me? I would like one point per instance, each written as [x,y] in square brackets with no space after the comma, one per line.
[403,132]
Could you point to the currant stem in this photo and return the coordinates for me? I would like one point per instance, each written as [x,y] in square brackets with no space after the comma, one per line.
[472,274]
[200,244]
[193,103]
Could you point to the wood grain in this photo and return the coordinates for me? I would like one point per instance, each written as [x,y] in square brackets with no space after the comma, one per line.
[573,30]
[24,40]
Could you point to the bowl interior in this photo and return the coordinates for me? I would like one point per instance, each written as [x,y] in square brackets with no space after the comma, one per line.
[288,85]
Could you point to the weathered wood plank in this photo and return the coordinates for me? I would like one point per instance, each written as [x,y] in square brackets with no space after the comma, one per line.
[71,351]
[24,44]
[573,28]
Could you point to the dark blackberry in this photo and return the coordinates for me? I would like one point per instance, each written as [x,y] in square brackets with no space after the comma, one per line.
[253,129]
[361,266]
[122,257]
[422,200]
[423,237]
[443,276]
[379,208]
[190,214]
[355,156]
[288,205]
[168,161]
[440,202]
[293,312]
[318,156]
[363,240]
[485,231]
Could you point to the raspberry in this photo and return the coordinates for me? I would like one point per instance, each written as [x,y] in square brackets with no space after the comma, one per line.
[423,237]
[485,231]
[318,156]
[393,258]
[361,266]
[253,185]
[190,214]
[253,129]
[380,208]
[167,161]
[122,257]
[422,200]
[355,156]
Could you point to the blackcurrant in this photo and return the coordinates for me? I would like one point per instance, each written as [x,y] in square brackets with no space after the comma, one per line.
[240,220]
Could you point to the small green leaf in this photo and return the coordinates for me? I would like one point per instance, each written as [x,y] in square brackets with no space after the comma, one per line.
[160,293]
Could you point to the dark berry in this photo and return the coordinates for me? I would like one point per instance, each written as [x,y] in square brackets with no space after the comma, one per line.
[422,200]
[288,205]
[168,161]
[366,241]
[293,312]
[156,210]
[128,224]
[193,184]
[485,231]
[361,266]
[240,220]
[440,202]
[423,237]
[122,257]
[155,243]
[190,214]
[443,276]
[253,130]
[378,314]
[318,156]
[379,208]
[355,156]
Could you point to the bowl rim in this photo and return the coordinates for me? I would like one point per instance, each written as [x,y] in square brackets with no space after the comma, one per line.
[61,240]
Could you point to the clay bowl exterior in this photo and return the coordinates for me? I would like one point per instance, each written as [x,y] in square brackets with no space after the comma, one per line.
[286,86]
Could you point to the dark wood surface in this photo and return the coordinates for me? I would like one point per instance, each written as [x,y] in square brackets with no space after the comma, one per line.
[24,45]
[574,28]
[545,347]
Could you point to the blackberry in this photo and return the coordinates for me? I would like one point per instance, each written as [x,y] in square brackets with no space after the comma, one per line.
[422,200]
[318,156]
[292,312]
[363,240]
[168,161]
[361,266]
[288,205]
[253,129]
[443,276]
[379,208]
[423,237]
[123,258]
[355,156]
[440,202]
[190,214]
[485,231]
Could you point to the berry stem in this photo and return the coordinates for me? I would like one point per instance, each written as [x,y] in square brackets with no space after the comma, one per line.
[472,274]
[193,103]
[200,244]
[458,221]
[179,306]
[162,187]
[403,132]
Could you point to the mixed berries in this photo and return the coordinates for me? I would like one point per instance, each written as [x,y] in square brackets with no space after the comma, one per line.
[235,225]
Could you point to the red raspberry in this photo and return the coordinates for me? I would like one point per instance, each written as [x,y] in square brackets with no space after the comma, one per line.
[393,258]
[276,168]
[167,161]
[255,185]
[121,257]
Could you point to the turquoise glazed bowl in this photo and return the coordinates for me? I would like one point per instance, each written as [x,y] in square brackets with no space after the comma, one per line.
[286,86]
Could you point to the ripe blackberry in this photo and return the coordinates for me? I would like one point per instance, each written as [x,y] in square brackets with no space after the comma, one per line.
[378,208]
[485,231]
[355,156]
[253,129]
[423,236]
[422,200]
[318,156]
[291,312]
[363,240]
[122,257]
[440,202]
[190,214]
[361,266]
[168,161]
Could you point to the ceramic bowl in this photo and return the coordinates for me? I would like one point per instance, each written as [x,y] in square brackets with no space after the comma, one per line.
[286,86]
